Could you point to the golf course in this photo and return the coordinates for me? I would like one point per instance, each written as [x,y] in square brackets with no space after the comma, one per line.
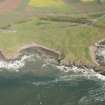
[68,26]
[52,52]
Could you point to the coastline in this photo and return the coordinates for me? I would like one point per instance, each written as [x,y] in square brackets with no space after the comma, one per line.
[51,53]
[92,50]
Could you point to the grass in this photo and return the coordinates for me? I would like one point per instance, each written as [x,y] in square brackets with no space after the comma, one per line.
[73,41]
[67,30]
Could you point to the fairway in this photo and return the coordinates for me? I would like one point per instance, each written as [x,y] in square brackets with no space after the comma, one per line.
[72,41]
[71,30]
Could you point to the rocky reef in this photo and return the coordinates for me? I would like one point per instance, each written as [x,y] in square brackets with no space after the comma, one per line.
[100,52]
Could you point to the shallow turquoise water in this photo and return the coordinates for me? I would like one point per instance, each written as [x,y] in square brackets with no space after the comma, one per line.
[37,81]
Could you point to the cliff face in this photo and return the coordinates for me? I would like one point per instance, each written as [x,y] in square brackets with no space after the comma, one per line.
[100,53]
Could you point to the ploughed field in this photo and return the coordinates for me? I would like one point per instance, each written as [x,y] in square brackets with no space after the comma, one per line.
[68,26]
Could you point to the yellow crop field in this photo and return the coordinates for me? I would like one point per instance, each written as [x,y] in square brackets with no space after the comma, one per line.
[41,3]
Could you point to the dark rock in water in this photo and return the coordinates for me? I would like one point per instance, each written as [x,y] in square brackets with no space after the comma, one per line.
[51,56]
[41,51]
[100,69]
[33,49]
[102,42]
[44,53]
[100,53]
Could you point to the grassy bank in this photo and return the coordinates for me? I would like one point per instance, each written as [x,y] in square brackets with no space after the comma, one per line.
[68,30]
[72,39]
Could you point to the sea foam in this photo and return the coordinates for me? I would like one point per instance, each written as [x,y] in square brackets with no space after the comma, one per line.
[83,72]
[14,65]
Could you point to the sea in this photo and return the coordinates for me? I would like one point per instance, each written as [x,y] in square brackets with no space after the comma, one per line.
[33,80]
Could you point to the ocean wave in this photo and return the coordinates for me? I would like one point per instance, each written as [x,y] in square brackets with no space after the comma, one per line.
[95,95]
[72,78]
[75,69]
[82,72]
[15,65]
[56,82]
[66,73]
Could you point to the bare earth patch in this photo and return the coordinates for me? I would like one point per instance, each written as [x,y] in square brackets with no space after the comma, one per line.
[9,5]
[92,54]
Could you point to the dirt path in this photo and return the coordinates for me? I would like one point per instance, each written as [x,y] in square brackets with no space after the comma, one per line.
[92,50]
[8,5]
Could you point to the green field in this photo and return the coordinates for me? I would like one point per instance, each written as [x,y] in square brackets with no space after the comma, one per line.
[69,30]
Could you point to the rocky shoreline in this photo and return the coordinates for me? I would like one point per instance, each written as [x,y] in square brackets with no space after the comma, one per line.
[38,48]
[45,53]
[100,52]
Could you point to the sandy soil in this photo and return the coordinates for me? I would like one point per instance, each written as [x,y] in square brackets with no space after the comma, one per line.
[8,5]
[92,50]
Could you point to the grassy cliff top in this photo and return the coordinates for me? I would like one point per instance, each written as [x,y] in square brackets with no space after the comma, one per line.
[70,30]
